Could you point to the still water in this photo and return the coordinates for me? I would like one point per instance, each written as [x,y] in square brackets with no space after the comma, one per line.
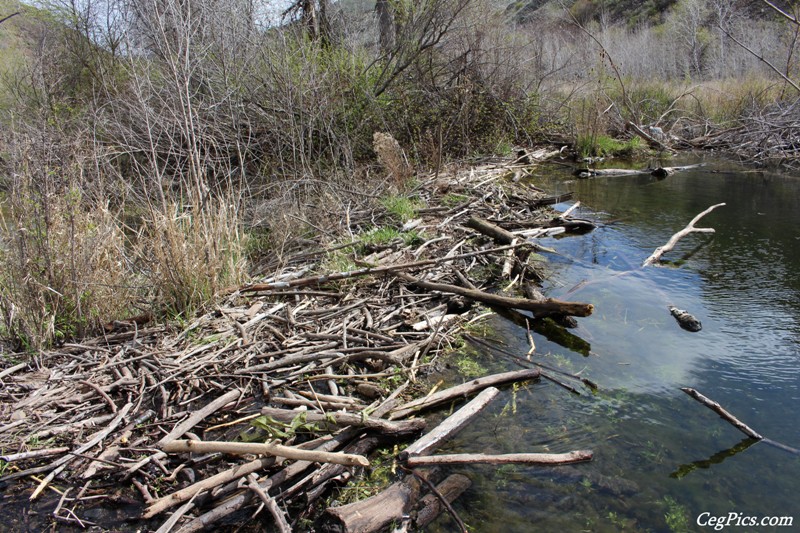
[661,459]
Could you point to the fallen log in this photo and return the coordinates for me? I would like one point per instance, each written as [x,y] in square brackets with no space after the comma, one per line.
[539,309]
[463,390]
[268,448]
[500,235]
[234,503]
[385,427]
[451,425]
[690,228]
[497,233]
[538,459]
[660,172]
[430,506]
[374,513]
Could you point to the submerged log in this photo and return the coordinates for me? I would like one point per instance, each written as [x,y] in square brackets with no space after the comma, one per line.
[431,506]
[685,320]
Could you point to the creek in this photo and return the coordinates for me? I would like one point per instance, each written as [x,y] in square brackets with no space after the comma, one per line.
[661,459]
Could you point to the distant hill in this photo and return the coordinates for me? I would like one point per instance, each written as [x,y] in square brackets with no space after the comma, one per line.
[628,12]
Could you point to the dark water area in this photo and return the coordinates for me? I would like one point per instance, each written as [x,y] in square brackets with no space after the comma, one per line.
[661,460]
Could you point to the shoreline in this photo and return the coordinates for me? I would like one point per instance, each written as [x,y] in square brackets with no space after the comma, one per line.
[357,350]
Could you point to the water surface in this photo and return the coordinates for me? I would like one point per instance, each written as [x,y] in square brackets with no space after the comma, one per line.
[661,459]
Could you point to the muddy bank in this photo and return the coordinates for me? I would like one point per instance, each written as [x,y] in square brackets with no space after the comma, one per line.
[319,365]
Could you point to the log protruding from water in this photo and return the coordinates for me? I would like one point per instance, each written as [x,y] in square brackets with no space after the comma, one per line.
[690,228]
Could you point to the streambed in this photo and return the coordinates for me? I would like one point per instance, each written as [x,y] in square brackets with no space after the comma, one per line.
[661,459]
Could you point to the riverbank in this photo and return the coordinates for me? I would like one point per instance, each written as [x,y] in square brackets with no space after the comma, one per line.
[356,328]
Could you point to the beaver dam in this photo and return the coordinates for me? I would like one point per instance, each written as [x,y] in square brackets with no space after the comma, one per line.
[305,401]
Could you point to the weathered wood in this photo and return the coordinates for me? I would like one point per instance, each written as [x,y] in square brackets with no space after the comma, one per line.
[59,465]
[234,503]
[430,506]
[539,309]
[498,234]
[187,493]
[540,459]
[269,502]
[268,448]
[450,426]
[656,255]
[10,458]
[199,415]
[725,415]
[319,280]
[386,427]
[373,514]
[463,390]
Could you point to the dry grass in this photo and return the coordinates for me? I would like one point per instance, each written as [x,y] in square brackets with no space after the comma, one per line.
[392,158]
[190,254]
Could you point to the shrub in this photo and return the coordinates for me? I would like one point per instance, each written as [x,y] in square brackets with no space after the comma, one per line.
[63,266]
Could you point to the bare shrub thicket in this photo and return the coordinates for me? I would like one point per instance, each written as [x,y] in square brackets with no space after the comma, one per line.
[63,266]
[183,127]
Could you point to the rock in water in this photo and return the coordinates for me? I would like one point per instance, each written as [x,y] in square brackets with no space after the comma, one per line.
[686,320]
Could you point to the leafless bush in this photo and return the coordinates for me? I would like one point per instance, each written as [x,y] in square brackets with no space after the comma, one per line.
[63,264]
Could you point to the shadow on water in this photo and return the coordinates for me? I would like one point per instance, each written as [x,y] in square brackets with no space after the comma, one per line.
[743,283]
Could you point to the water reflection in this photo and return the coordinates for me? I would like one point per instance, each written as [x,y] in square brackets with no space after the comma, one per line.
[743,284]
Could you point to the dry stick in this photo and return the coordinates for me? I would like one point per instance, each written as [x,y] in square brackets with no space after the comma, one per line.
[538,459]
[451,425]
[270,504]
[191,491]
[547,307]
[62,463]
[198,416]
[656,255]
[347,419]
[735,422]
[35,453]
[465,389]
[16,368]
[235,503]
[167,526]
[318,280]
[244,448]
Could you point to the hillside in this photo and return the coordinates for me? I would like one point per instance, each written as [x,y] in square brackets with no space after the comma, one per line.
[628,12]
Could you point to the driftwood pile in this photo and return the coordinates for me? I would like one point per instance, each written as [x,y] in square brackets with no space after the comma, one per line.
[283,390]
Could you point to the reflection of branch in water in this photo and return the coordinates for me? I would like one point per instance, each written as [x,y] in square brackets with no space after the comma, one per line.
[688,255]
[549,330]
[684,470]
